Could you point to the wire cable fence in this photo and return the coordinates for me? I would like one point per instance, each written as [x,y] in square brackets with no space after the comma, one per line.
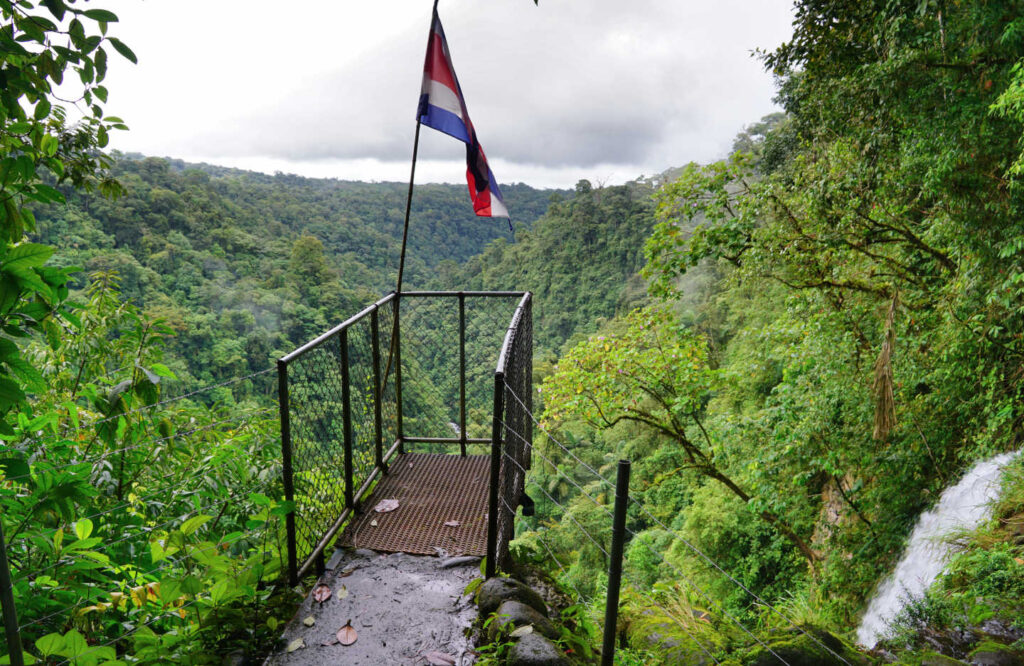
[602,532]
[592,489]
[158,521]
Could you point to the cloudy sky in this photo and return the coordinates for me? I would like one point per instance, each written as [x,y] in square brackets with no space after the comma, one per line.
[601,89]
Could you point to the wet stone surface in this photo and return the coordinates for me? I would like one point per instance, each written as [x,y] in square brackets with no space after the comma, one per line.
[403,607]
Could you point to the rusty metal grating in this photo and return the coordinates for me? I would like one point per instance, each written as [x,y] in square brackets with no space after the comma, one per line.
[431,489]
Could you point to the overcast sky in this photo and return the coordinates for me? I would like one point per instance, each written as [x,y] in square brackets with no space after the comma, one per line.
[601,89]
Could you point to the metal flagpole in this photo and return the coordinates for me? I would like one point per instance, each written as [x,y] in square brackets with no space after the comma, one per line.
[408,202]
[412,178]
[405,229]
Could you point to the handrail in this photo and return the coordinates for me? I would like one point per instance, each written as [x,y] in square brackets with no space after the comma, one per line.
[472,294]
[517,318]
[319,340]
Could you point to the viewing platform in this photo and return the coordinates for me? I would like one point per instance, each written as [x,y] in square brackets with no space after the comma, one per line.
[397,434]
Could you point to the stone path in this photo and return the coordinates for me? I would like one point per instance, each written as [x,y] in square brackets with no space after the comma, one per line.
[403,608]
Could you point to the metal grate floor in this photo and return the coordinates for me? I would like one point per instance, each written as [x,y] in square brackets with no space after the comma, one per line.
[432,489]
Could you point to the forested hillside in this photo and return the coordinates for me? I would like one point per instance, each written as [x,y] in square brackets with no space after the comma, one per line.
[241,265]
[834,336]
[798,346]
[581,260]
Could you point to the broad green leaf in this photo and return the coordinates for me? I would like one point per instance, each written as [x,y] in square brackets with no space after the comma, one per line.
[9,293]
[162,370]
[194,523]
[33,381]
[83,528]
[10,393]
[123,49]
[101,15]
[50,644]
[27,255]
[15,468]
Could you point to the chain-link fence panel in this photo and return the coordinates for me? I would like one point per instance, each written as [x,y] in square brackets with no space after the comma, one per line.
[340,403]
[440,335]
[516,366]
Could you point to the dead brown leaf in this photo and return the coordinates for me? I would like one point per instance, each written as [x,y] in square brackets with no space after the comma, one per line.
[321,593]
[347,635]
[435,658]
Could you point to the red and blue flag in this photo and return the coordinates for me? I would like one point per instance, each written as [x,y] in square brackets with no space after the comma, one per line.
[443,108]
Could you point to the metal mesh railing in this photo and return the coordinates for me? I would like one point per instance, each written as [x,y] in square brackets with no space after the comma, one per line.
[512,431]
[353,392]
[338,408]
[450,347]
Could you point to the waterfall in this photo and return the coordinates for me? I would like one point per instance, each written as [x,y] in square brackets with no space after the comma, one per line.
[963,506]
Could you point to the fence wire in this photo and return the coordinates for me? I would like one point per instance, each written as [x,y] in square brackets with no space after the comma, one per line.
[698,552]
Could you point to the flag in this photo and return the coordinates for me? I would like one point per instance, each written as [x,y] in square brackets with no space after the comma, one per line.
[443,108]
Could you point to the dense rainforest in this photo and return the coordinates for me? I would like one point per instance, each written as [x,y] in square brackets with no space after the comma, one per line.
[243,267]
[798,346]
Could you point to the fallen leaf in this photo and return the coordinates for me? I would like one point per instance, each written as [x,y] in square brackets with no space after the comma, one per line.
[321,593]
[347,635]
[386,505]
[522,631]
[343,592]
[373,522]
[435,658]
[330,641]
[309,621]
[452,523]
[296,644]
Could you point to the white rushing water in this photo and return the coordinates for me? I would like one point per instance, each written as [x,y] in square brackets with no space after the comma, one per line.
[963,506]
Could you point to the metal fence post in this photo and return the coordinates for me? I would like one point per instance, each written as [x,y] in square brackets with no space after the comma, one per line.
[10,611]
[611,607]
[378,393]
[287,471]
[492,500]
[462,373]
[397,344]
[346,417]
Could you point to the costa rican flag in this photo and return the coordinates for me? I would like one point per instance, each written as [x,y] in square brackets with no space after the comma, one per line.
[443,108]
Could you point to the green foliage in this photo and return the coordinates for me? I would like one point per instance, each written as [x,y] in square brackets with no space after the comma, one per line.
[119,511]
[244,266]
[580,260]
[853,274]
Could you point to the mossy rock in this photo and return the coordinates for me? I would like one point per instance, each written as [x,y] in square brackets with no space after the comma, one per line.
[803,650]
[535,650]
[990,653]
[496,590]
[935,659]
[512,614]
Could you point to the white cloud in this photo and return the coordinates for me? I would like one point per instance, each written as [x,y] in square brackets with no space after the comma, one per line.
[572,88]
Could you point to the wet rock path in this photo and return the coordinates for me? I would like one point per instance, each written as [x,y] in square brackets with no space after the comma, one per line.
[405,609]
